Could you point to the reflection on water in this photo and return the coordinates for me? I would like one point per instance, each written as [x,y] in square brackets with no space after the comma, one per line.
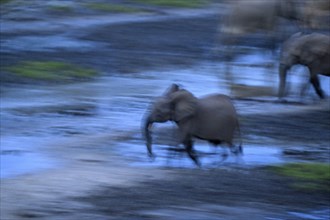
[14,164]
[19,155]
[322,214]
[210,157]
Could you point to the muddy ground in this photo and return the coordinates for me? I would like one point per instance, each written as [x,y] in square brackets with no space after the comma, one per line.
[91,179]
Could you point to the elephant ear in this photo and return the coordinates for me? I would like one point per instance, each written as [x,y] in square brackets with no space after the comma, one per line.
[173,88]
[184,105]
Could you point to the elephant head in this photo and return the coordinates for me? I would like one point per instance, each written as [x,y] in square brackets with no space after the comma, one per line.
[175,105]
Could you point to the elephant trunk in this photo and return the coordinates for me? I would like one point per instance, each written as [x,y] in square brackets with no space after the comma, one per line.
[282,73]
[147,133]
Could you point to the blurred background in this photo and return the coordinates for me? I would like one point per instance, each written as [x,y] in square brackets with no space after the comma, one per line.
[77,78]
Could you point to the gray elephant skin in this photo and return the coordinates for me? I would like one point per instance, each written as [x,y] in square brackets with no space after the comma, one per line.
[310,50]
[250,17]
[254,15]
[212,118]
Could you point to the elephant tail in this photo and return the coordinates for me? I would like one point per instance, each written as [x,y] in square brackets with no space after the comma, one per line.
[240,146]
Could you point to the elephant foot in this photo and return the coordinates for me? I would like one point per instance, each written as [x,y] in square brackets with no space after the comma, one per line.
[238,150]
[198,164]
[193,156]
[196,161]
[224,156]
[152,157]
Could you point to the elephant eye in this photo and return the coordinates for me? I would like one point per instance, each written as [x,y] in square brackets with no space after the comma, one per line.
[164,110]
[160,111]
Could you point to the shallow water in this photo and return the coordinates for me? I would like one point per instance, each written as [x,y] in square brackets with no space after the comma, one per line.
[19,155]
[49,43]
[116,105]
[209,156]
[17,163]
[322,214]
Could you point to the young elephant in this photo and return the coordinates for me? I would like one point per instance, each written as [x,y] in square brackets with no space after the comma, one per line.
[212,118]
[310,50]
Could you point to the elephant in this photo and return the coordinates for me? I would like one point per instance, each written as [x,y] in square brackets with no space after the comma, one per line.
[250,18]
[257,15]
[316,14]
[253,25]
[212,118]
[310,50]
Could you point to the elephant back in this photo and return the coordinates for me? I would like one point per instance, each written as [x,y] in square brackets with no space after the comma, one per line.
[218,103]
[216,118]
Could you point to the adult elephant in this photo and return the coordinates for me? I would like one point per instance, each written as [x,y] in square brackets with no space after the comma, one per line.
[250,18]
[316,14]
[310,50]
[212,118]
[250,26]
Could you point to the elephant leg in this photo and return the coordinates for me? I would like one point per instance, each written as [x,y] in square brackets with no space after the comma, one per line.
[174,153]
[224,153]
[185,138]
[316,84]
[192,154]
[234,149]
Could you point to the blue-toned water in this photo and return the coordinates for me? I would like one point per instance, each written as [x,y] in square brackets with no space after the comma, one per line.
[116,105]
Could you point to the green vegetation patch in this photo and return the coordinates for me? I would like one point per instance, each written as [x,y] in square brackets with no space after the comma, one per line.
[310,176]
[176,3]
[108,7]
[50,70]
[61,8]
[4,1]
